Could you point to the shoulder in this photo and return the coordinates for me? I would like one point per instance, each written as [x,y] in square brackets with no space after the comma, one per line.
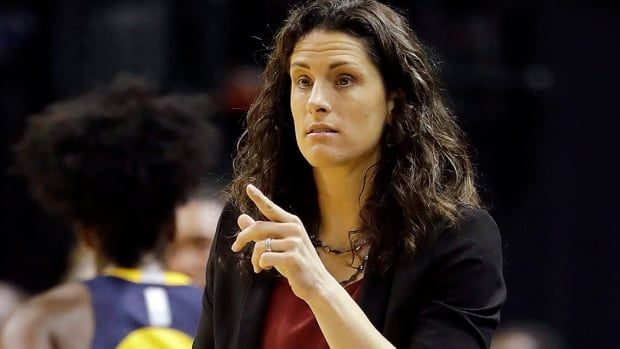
[227,230]
[476,221]
[475,232]
[228,217]
[36,322]
[465,263]
[456,283]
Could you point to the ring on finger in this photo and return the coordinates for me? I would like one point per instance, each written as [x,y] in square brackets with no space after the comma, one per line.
[268,245]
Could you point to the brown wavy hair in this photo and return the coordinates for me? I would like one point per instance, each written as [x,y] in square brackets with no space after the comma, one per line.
[424,176]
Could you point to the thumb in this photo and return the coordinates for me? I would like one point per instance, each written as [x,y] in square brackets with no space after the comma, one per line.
[244,221]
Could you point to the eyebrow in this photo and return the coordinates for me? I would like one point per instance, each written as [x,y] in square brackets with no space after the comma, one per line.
[331,66]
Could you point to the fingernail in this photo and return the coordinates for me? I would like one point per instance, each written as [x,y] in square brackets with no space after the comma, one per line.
[252,188]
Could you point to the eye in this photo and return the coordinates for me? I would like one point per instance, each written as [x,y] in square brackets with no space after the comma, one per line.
[344,80]
[303,82]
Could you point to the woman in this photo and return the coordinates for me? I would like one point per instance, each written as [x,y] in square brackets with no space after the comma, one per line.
[360,225]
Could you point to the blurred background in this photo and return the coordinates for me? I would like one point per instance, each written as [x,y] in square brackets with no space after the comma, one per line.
[532,83]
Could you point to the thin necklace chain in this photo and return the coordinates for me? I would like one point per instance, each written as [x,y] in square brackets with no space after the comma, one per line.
[358,270]
[354,248]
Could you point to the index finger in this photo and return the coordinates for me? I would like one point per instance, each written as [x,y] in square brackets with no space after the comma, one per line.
[267,207]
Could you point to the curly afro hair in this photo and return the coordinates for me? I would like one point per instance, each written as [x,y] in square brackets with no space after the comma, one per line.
[118,161]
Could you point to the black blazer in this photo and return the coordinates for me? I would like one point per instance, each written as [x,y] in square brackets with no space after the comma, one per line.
[448,297]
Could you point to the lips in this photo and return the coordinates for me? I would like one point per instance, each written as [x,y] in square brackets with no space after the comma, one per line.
[320,128]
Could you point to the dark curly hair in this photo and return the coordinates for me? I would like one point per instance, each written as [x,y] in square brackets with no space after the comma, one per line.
[117,161]
[424,175]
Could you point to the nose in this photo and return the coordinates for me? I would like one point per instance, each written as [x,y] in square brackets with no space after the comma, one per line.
[318,103]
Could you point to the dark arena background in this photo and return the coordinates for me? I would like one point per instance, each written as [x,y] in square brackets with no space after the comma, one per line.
[533,83]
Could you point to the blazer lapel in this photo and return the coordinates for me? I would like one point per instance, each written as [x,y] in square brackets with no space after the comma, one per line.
[257,299]
[375,292]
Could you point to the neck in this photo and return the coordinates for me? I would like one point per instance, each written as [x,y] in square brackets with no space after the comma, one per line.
[148,261]
[341,195]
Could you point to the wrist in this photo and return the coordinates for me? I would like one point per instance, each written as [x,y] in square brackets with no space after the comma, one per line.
[325,289]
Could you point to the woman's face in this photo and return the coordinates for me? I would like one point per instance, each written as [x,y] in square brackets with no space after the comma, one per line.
[338,100]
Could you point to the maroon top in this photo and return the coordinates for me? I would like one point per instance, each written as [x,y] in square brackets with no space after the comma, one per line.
[290,324]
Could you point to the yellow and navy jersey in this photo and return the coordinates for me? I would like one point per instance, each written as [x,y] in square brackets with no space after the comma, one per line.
[147,310]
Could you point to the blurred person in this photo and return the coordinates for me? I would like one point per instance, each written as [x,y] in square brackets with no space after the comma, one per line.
[527,336]
[354,219]
[114,165]
[196,222]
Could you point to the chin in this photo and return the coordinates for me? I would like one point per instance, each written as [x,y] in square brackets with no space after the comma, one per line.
[324,159]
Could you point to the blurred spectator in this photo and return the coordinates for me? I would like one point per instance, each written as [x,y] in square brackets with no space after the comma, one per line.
[114,164]
[527,336]
[196,222]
